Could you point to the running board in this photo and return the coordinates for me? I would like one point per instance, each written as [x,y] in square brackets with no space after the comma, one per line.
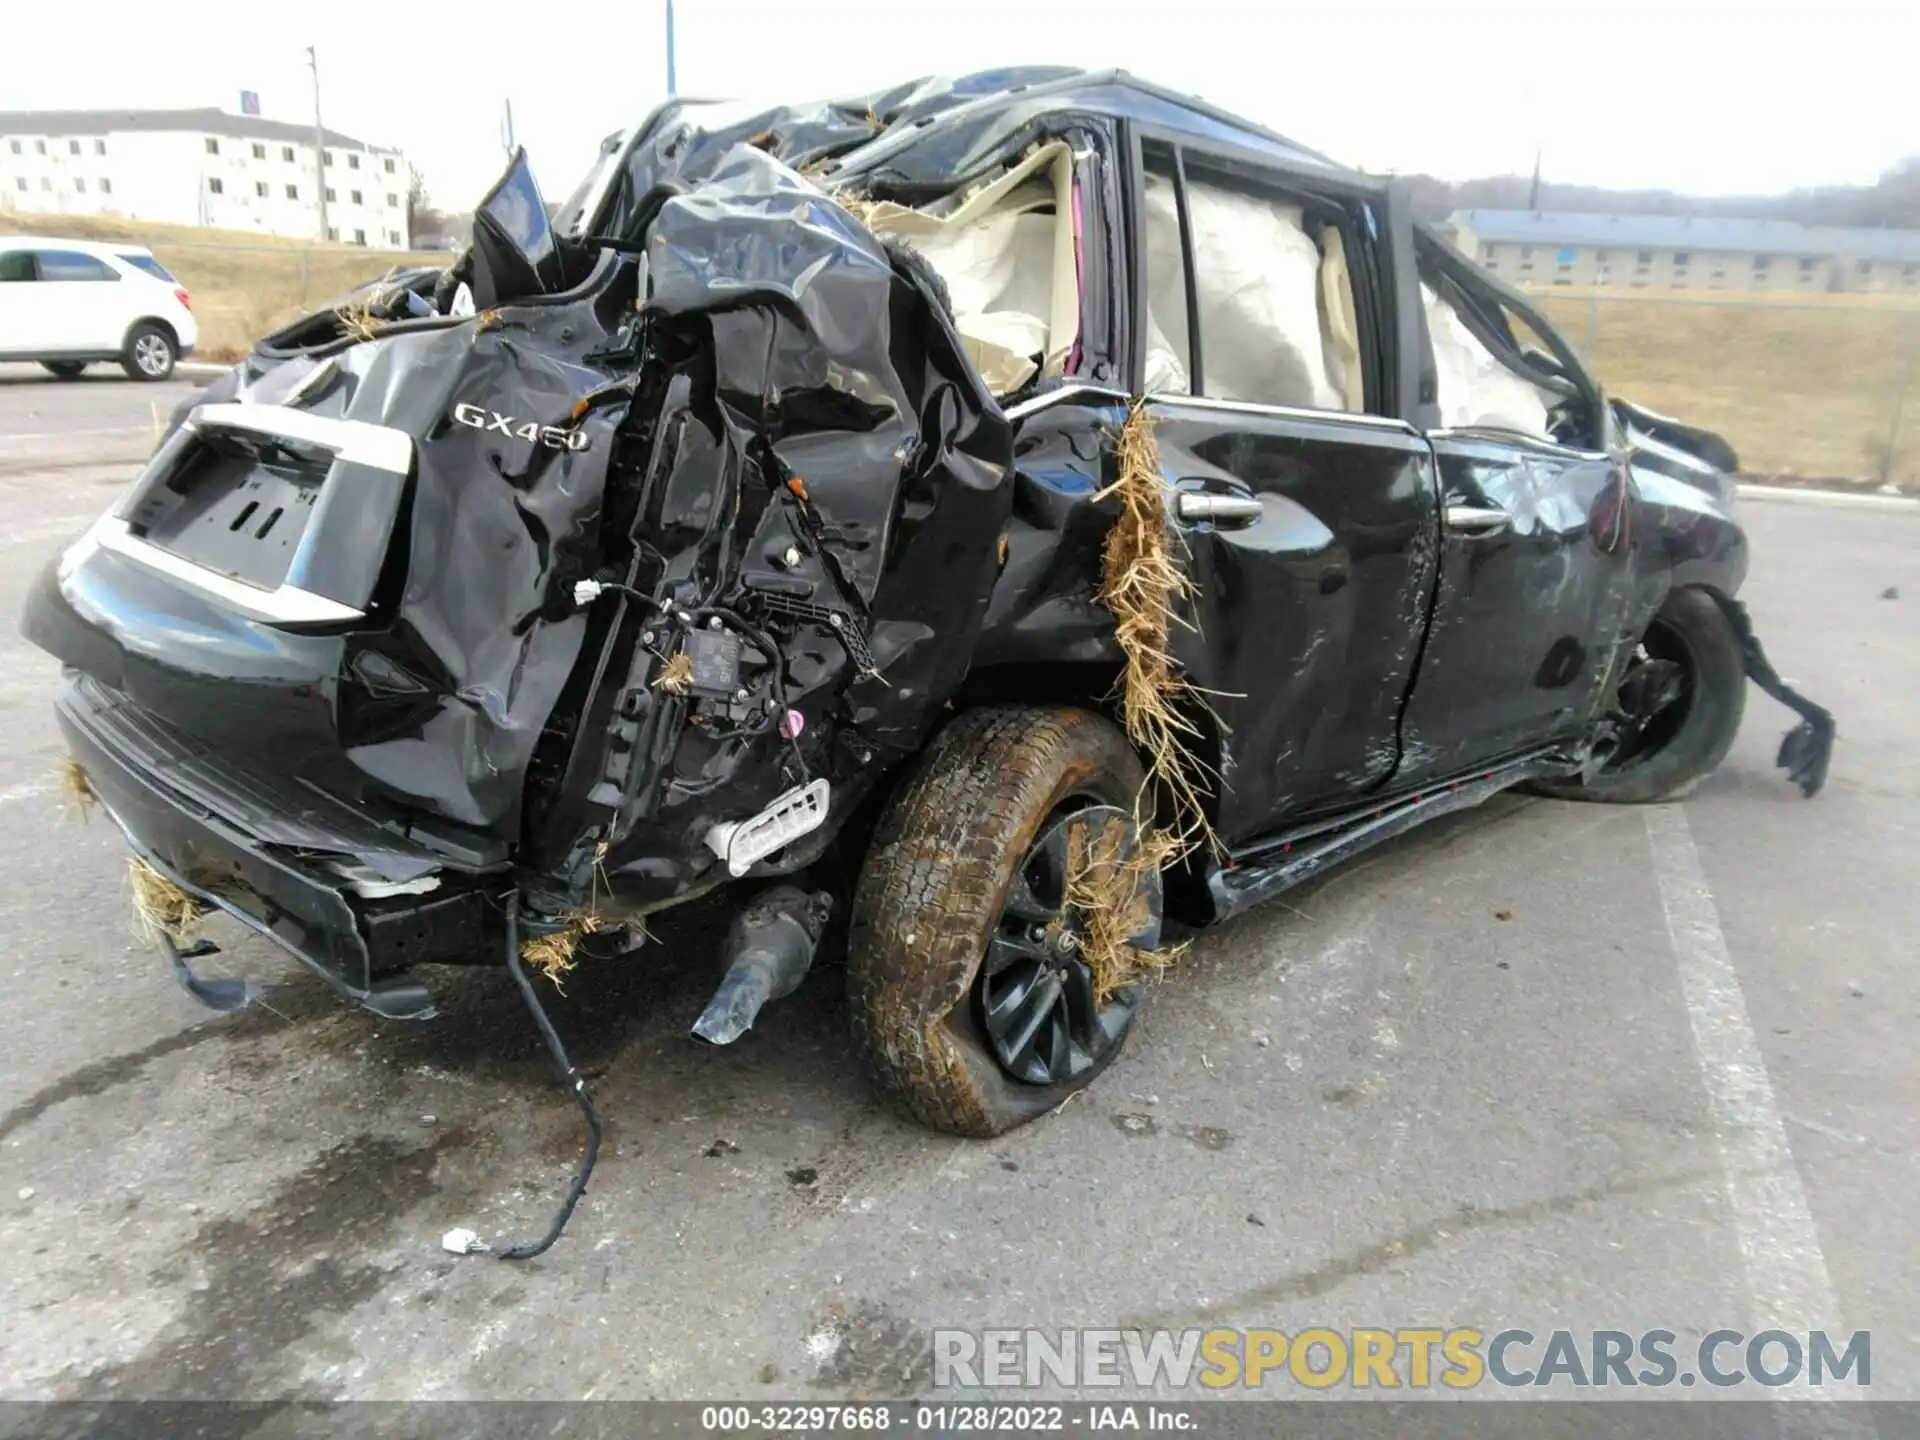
[1267,867]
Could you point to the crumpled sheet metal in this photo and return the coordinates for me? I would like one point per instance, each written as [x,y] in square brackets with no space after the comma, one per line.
[689,141]
[444,709]
[846,373]
[824,398]
[811,400]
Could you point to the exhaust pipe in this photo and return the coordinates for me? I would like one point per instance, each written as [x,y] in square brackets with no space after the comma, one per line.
[769,947]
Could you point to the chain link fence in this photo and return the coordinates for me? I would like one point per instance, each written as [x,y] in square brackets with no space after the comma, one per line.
[1808,388]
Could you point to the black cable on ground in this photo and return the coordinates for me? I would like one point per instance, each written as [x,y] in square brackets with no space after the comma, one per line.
[568,1075]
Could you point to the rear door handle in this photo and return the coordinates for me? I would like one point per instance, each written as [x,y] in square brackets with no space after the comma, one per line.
[1219,509]
[1476,520]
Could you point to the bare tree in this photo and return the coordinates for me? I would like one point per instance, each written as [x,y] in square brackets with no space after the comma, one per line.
[420,211]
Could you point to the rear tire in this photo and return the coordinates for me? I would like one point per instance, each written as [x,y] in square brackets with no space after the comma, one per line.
[1691,629]
[150,352]
[65,369]
[937,890]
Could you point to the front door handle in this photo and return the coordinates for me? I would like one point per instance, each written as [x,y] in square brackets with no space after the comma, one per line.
[1219,509]
[1476,520]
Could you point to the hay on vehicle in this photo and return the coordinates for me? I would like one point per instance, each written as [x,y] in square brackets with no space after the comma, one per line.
[676,676]
[554,953]
[1108,896]
[1143,586]
[76,791]
[161,909]
[357,317]
[363,317]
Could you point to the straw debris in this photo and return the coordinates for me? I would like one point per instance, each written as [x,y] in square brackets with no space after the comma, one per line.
[161,909]
[1143,585]
[1107,890]
[76,790]
[553,954]
[676,676]
[362,318]
[857,203]
[358,319]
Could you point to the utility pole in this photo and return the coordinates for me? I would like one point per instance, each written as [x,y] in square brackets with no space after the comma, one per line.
[319,142]
[672,88]
[1890,455]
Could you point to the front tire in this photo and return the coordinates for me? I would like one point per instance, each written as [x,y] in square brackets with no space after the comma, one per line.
[150,352]
[948,936]
[1677,711]
[65,369]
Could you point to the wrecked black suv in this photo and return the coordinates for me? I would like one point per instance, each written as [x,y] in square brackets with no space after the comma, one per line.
[1053,503]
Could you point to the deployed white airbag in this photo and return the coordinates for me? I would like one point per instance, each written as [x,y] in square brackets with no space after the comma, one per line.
[1006,253]
[1258,277]
[1477,391]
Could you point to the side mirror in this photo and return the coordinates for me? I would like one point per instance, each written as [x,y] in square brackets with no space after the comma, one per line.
[515,254]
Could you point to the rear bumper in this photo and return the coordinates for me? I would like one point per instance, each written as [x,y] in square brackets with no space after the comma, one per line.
[201,824]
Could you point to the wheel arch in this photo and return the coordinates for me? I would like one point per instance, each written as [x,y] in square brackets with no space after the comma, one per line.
[1094,685]
[159,322]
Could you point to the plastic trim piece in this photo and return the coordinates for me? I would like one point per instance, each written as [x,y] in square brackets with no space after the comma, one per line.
[378,446]
[287,605]
[744,843]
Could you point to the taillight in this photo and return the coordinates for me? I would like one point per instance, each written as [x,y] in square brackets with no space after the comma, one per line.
[180,294]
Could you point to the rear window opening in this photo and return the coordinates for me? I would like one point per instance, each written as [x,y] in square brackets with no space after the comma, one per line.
[150,265]
[1494,370]
[1268,277]
[1008,250]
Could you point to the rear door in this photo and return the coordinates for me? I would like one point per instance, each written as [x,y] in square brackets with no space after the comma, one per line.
[1309,522]
[84,302]
[1534,563]
[23,321]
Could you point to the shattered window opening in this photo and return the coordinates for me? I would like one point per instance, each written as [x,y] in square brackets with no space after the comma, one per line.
[1007,250]
[1493,370]
[1275,323]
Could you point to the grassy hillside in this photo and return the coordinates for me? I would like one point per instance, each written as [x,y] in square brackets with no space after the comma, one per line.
[243,284]
[1806,390]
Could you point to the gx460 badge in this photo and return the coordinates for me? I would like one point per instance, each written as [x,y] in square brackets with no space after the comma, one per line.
[492,422]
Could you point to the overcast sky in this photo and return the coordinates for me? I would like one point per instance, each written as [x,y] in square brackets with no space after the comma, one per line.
[1697,95]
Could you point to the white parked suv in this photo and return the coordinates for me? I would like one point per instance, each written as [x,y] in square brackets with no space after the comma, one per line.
[68,302]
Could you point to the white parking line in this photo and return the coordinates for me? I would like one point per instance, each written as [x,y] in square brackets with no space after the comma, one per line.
[25,435]
[54,527]
[13,793]
[1859,499]
[1779,1246]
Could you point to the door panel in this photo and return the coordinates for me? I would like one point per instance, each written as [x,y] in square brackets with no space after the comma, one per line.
[23,320]
[1313,577]
[1533,589]
[81,299]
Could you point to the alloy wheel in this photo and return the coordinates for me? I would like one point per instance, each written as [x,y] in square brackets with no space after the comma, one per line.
[152,355]
[1653,699]
[1036,992]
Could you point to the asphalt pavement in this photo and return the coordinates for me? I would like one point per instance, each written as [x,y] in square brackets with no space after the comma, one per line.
[1542,1065]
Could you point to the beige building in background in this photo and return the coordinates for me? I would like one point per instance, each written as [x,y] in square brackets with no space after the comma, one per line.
[1533,248]
[203,167]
